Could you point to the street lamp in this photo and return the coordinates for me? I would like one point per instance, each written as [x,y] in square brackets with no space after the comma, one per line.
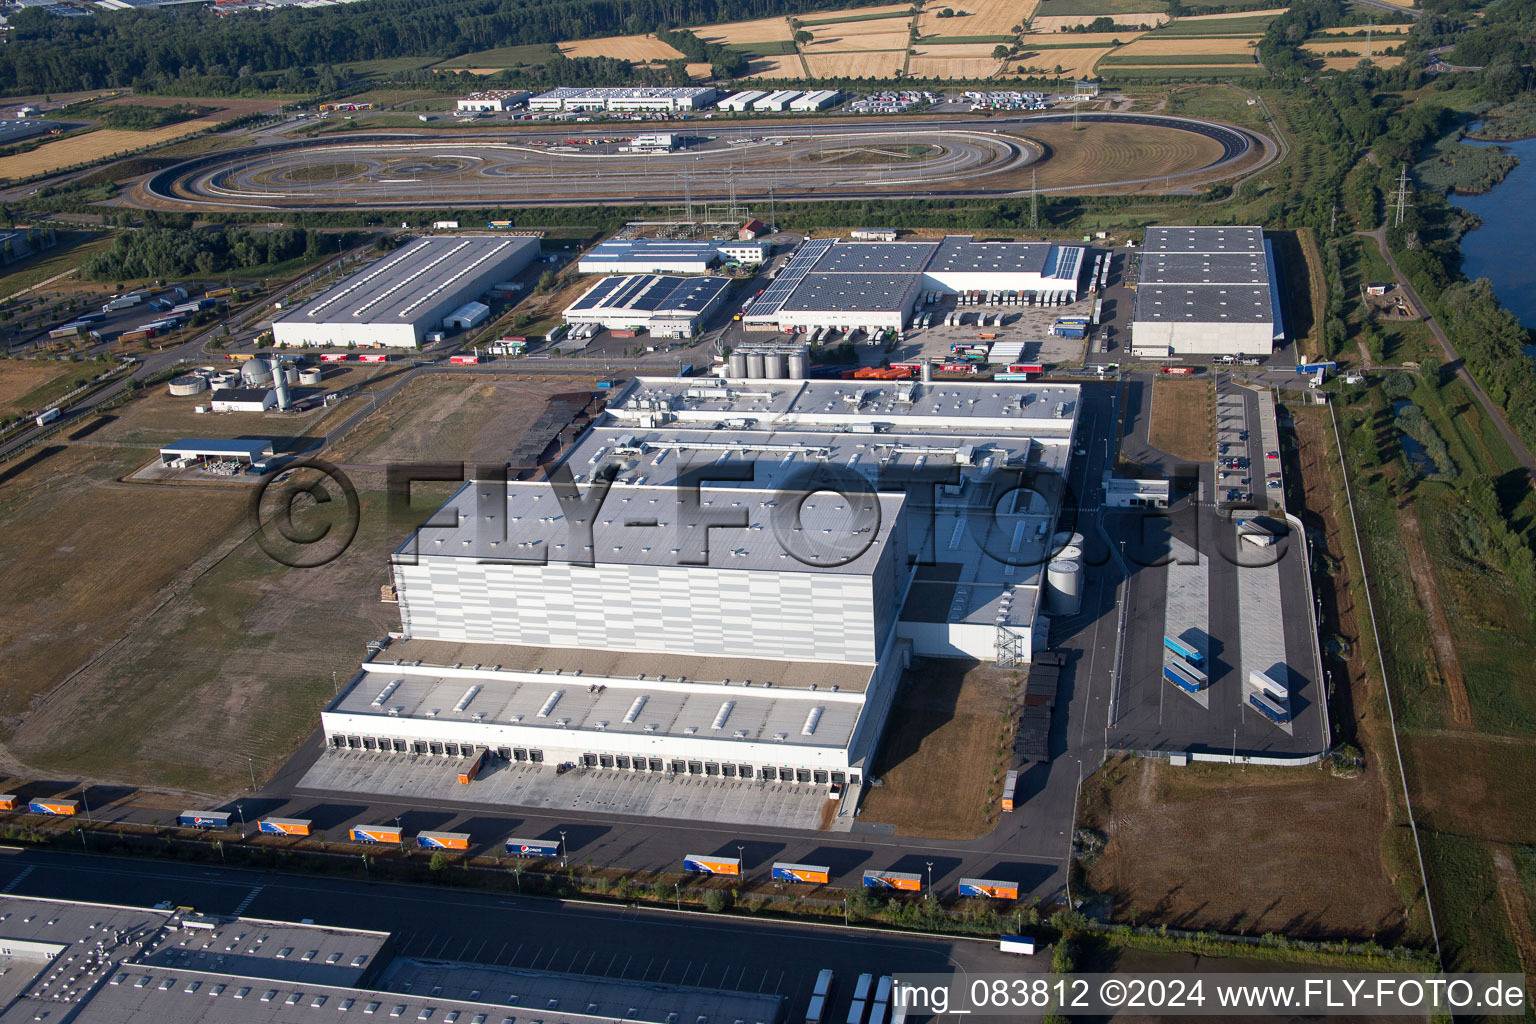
[563,861]
[740,857]
[251,764]
[677,889]
[930,878]
[241,809]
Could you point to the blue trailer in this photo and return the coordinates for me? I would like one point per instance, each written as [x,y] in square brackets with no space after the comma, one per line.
[1270,708]
[1327,365]
[1187,670]
[1183,650]
[203,819]
[533,847]
[686,371]
[1180,680]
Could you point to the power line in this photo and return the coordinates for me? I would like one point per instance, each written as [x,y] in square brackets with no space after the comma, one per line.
[1400,196]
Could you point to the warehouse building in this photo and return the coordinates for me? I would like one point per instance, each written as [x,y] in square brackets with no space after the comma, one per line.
[820,99]
[874,285]
[741,102]
[656,99]
[98,963]
[778,101]
[649,256]
[243,400]
[754,624]
[191,450]
[1206,290]
[395,301]
[667,307]
[492,100]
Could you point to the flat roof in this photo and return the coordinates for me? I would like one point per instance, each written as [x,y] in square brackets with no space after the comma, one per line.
[625,250]
[652,294]
[621,665]
[217,446]
[851,293]
[852,257]
[16,129]
[239,395]
[397,288]
[1206,303]
[1249,268]
[523,522]
[1204,239]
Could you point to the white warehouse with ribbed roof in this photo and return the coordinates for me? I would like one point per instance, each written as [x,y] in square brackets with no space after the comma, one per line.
[723,578]
[396,300]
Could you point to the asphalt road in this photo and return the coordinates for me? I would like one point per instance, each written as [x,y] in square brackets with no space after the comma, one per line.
[686,948]
[186,183]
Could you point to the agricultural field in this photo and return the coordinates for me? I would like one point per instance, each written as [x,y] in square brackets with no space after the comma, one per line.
[70,248]
[1076,61]
[90,147]
[1076,40]
[776,67]
[870,64]
[1194,49]
[488,62]
[976,17]
[1378,32]
[639,49]
[27,385]
[1346,63]
[765,30]
[921,66]
[1113,152]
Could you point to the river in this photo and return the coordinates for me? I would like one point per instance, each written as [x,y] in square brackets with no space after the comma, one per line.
[1504,249]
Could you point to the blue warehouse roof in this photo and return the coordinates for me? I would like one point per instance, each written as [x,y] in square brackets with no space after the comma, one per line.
[251,449]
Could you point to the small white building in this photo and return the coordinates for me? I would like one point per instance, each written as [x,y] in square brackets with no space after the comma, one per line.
[741,102]
[776,101]
[492,100]
[655,142]
[746,253]
[244,400]
[27,111]
[873,234]
[821,99]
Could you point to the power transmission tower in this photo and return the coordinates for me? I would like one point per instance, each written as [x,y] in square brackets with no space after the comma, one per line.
[1400,196]
[1333,220]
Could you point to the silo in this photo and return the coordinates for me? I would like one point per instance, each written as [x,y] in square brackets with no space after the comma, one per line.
[256,373]
[927,371]
[799,365]
[291,374]
[191,384]
[1071,553]
[280,382]
[224,381]
[738,364]
[755,365]
[1064,583]
[310,375]
[775,366]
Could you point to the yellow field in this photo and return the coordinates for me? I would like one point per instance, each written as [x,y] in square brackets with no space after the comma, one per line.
[880,27]
[1058,22]
[1055,39]
[1072,61]
[1153,47]
[1355,46]
[640,49]
[698,69]
[952,67]
[979,17]
[1346,63]
[973,51]
[98,145]
[766,30]
[874,64]
[865,43]
[776,67]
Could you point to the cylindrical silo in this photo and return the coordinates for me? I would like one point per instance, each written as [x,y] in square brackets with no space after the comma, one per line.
[1071,553]
[310,375]
[1064,582]
[256,372]
[1061,540]
[280,381]
[738,364]
[291,374]
[191,384]
[775,366]
[799,365]
[927,371]
[224,381]
[754,365]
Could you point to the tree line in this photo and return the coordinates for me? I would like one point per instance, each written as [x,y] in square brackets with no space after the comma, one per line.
[167,252]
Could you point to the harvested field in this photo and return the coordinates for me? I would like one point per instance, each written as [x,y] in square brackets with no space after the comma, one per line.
[827,42]
[1151,46]
[1183,422]
[640,49]
[1113,152]
[1360,47]
[1378,32]
[93,146]
[775,67]
[764,30]
[1473,785]
[952,67]
[952,50]
[1345,63]
[24,383]
[874,64]
[1071,61]
[1059,22]
[449,418]
[939,758]
[976,17]
[850,30]
[1249,850]
[699,69]
[1073,40]
[86,555]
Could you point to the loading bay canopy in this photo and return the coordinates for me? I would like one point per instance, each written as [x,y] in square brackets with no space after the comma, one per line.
[216,448]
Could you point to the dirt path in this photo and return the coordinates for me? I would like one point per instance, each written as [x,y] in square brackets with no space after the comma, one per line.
[1439,627]
[1512,895]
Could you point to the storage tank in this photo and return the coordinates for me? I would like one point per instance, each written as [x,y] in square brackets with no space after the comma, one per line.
[927,371]
[280,381]
[775,366]
[310,375]
[191,384]
[1071,553]
[799,365]
[738,364]
[1064,582]
[291,374]
[755,365]
[256,372]
[224,381]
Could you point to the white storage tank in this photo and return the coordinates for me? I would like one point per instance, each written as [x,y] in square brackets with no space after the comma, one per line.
[291,373]
[775,366]
[799,366]
[755,365]
[224,381]
[1064,582]
[1071,553]
[191,384]
[738,364]
[310,375]
[256,372]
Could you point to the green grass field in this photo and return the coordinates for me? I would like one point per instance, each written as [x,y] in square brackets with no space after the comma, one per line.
[1183,28]
[385,67]
[501,57]
[1097,8]
[1179,58]
[771,48]
[1471,920]
[809,22]
[72,247]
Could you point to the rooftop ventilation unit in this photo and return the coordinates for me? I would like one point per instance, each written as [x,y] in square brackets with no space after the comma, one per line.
[549,705]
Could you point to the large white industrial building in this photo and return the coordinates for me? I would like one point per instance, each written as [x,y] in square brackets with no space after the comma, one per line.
[661,99]
[1206,290]
[744,598]
[395,301]
[668,307]
[875,285]
[649,256]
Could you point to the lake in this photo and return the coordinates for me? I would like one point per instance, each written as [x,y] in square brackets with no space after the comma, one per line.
[1504,249]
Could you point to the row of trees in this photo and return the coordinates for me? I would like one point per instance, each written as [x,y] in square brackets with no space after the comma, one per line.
[723,61]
